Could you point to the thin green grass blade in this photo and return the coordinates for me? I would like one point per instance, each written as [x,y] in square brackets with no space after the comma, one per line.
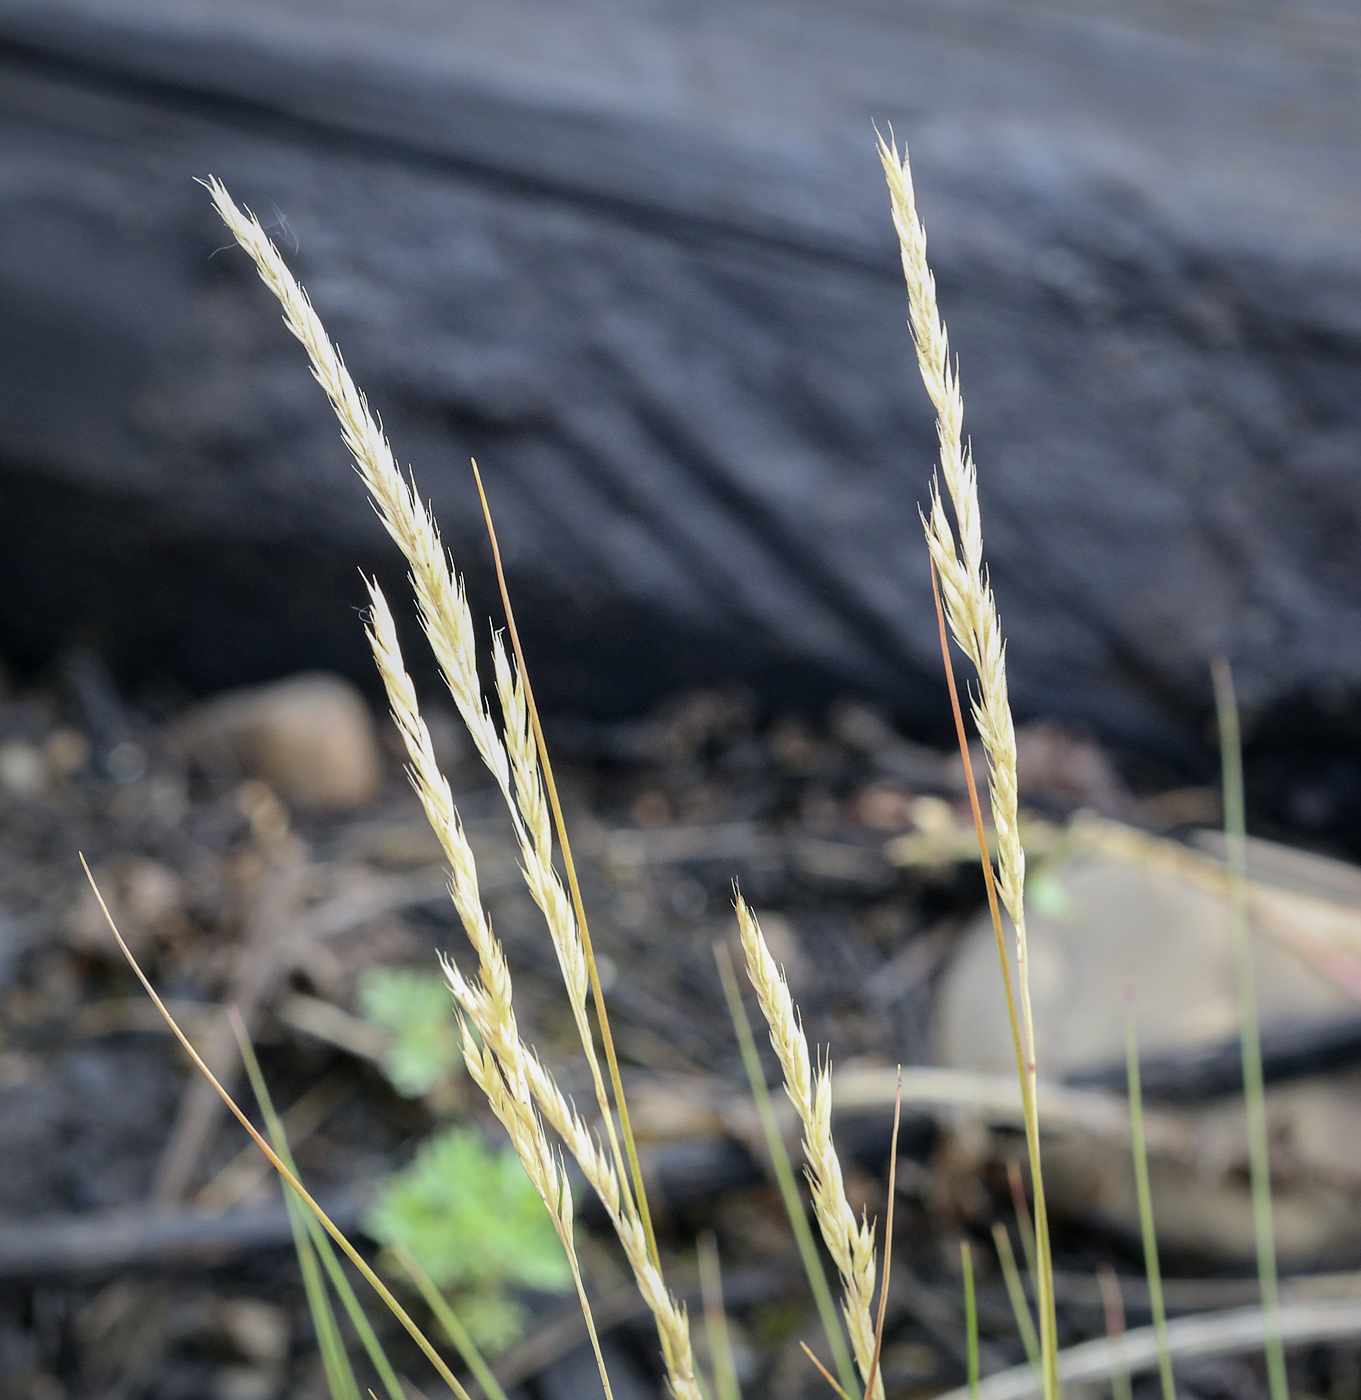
[355,1312]
[1023,1226]
[784,1176]
[448,1319]
[341,1383]
[726,1386]
[307,1199]
[1020,1307]
[340,1378]
[1254,1088]
[970,1316]
[319,1245]
[1145,1196]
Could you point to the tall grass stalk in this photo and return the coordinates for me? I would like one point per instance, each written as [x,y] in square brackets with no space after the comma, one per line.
[784,1173]
[520,1090]
[318,1246]
[1254,1087]
[578,907]
[970,1316]
[1144,1192]
[512,756]
[716,1321]
[974,624]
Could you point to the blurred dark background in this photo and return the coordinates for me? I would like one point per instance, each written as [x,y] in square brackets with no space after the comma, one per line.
[637,258]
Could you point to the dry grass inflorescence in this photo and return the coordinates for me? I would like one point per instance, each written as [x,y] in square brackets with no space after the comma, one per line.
[520,1090]
[976,628]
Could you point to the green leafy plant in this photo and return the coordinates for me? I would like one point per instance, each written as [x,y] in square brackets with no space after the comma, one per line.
[473,1221]
[425,1049]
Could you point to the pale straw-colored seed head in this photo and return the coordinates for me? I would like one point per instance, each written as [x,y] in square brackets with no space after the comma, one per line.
[849,1241]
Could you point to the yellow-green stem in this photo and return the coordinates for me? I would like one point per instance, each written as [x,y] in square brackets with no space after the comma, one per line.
[578,907]
[970,1316]
[1121,1386]
[716,1321]
[1023,1226]
[1020,1307]
[1144,1192]
[318,1246]
[1025,1066]
[1254,1086]
[447,1318]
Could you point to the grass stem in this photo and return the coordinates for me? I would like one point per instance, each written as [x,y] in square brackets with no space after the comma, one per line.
[578,906]
[329,1225]
[716,1321]
[318,1246]
[1144,1192]
[1122,1387]
[1020,1306]
[1254,1087]
[970,1316]
[784,1175]
[449,1320]
[1023,1226]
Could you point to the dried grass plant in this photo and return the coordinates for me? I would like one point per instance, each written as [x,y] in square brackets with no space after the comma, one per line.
[957,562]
[520,1090]
[540,1121]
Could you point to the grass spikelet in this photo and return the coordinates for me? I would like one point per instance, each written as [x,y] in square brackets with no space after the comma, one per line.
[974,624]
[850,1242]
[497,1065]
[784,1174]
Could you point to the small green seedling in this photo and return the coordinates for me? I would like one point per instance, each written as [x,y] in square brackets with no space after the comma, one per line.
[474,1223]
[415,1008]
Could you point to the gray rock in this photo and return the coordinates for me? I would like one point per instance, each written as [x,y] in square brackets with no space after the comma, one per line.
[638,259]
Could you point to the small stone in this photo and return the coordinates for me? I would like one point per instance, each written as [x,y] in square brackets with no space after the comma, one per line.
[22,770]
[145,898]
[246,1383]
[258,1332]
[310,737]
[67,751]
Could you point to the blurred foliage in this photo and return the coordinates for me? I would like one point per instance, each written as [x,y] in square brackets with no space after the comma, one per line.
[474,1222]
[416,1009]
